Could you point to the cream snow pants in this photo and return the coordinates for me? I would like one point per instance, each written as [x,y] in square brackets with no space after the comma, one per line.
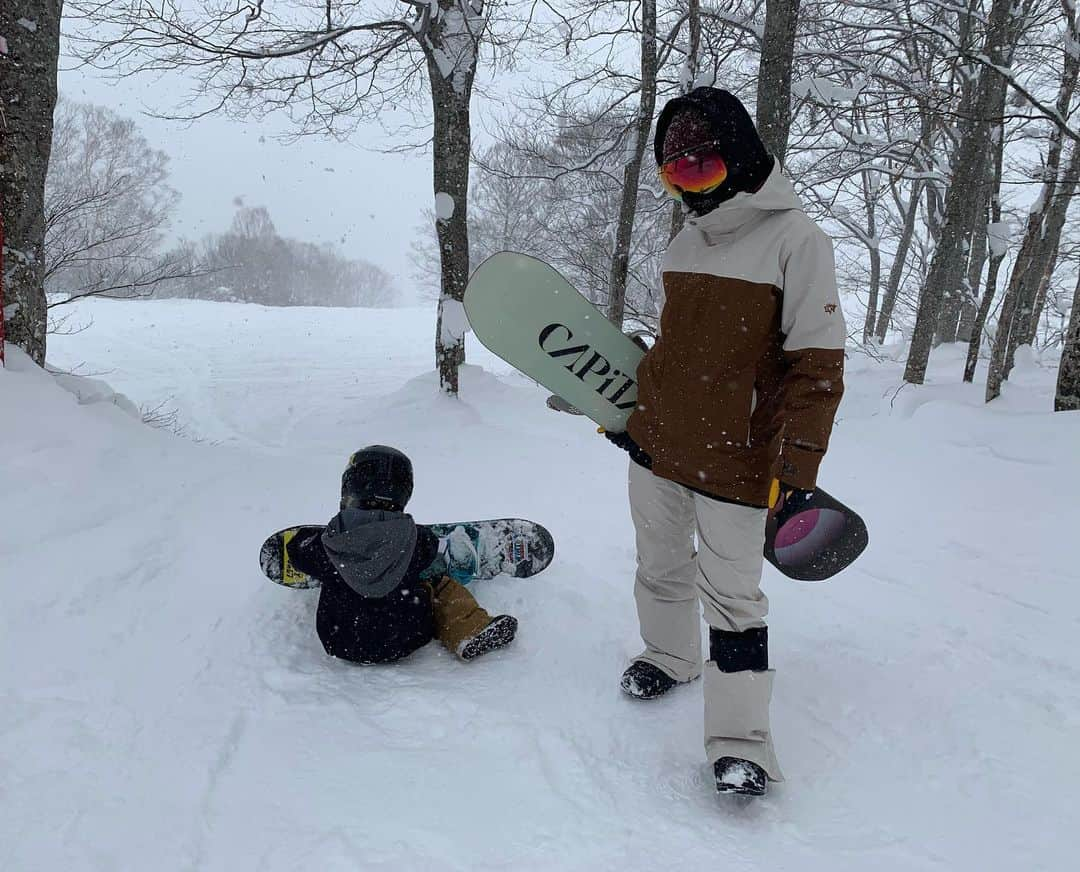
[725,575]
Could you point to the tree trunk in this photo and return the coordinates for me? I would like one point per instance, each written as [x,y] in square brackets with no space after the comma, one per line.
[686,84]
[996,258]
[774,75]
[1040,297]
[896,271]
[953,306]
[875,286]
[979,326]
[1037,253]
[977,255]
[968,180]
[1038,267]
[1067,396]
[451,90]
[27,100]
[949,320]
[933,207]
[624,229]
[954,298]
[1034,265]
[870,194]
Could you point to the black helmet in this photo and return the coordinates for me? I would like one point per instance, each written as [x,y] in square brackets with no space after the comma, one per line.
[377,477]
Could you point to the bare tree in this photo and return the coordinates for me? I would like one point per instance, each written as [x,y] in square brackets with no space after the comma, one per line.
[1067,396]
[978,250]
[915,68]
[253,263]
[603,93]
[910,211]
[688,79]
[624,226]
[107,206]
[30,37]
[963,83]
[508,211]
[1031,275]
[560,200]
[328,63]
[870,111]
[1038,250]
[997,245]
[968,179]
[774,75]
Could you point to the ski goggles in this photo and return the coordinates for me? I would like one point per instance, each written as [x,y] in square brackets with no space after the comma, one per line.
[695,171]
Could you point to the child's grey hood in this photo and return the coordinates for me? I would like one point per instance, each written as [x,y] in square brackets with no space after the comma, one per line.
[370,549]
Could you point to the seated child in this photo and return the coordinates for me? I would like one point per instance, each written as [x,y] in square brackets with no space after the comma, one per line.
[384,593]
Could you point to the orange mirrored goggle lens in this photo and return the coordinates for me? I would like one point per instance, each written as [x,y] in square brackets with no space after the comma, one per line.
[695,173]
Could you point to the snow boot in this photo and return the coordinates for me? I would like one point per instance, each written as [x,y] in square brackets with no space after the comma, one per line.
[499,633]
[463,626]
[740,777]
[644,681]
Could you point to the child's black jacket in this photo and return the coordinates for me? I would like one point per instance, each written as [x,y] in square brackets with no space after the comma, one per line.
[372,551]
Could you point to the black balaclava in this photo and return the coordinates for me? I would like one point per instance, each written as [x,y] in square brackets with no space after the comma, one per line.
[712,115]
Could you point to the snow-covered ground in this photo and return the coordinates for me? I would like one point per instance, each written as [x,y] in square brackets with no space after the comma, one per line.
[164,707]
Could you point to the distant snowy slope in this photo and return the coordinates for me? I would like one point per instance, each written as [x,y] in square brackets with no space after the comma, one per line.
[164,707]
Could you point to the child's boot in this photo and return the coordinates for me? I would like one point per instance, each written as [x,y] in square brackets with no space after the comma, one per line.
[463,626]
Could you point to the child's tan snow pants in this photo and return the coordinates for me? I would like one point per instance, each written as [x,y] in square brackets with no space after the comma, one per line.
[458,616]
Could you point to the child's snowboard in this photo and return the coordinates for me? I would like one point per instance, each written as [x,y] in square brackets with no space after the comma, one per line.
[525,312]
[468,550]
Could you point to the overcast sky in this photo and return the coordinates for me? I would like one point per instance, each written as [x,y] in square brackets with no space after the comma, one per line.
[316,189]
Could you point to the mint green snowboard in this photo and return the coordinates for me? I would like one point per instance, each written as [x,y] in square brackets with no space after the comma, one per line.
[525,312]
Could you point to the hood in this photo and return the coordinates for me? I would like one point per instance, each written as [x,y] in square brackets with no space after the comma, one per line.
[776,195]
[370,549]
[731,127]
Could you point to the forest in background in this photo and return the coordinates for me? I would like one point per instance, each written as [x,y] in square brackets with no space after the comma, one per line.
[935,140]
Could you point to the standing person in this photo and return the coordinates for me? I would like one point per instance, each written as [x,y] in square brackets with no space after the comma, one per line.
[739,390]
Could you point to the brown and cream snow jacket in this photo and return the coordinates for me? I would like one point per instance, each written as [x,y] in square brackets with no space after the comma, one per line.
[745,377]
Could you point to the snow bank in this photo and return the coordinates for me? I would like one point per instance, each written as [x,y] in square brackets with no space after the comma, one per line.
[164,707]
[92,390]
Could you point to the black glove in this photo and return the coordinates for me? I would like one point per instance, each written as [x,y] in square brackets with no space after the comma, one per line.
[624,441]
[791,501]
[306,553]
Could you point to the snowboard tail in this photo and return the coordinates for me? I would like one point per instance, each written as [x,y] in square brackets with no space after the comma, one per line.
[274,558]
[534,319]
